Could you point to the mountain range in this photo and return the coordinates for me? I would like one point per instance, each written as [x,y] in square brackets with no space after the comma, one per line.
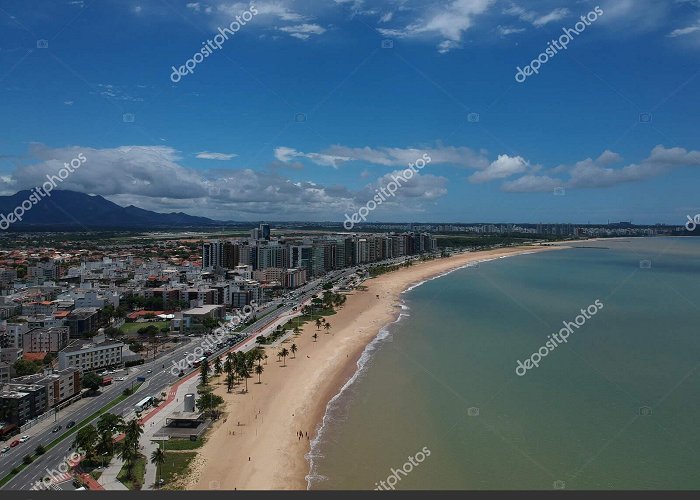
[70,210]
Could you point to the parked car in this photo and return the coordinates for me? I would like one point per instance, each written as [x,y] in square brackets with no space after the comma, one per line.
[56,429]
[5,449]
[149,371]
[70,424]
[14,443]
[24,439]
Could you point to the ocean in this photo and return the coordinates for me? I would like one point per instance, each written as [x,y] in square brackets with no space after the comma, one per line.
[437,402]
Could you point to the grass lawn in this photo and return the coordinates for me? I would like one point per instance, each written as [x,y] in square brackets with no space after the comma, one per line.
[139,471]
[182,445]
[175,465]
[128,328]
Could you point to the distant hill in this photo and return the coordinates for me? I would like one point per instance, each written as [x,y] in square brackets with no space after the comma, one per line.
[70,210]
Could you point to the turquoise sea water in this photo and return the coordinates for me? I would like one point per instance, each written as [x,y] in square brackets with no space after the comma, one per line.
[617,406]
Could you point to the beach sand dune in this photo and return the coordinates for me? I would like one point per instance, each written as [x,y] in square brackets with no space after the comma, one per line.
[258,446]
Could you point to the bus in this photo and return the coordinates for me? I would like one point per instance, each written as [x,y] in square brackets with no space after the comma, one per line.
[201,360]
[144,403]
[106,381]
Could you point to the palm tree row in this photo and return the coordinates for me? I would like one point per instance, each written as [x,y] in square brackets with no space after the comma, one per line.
[241,365]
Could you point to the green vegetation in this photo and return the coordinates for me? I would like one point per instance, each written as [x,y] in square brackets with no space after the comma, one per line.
[24,367]
[489,241]
[134,468]
[132,474]
[130,328]
[176,465]
[91,381]
[183,444]
[375,271]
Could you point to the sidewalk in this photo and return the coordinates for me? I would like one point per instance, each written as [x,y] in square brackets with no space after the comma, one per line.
[108,479]
[156,420]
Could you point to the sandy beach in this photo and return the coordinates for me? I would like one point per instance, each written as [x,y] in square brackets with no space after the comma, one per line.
[257,447]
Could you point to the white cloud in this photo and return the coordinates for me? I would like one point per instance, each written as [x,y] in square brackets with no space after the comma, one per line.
[508,30]
[537,20]
[685,31]
[207,155]
[447,22]
[303,31]
[599,172]
[151,177]
[531,183]
[504,166]
[395,157]
[285,154]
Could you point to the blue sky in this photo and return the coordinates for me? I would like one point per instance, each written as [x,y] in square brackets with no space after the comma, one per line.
[312,105]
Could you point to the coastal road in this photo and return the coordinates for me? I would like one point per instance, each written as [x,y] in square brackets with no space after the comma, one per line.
[158,381]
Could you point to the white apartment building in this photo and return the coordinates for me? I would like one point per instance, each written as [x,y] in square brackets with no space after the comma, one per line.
[87,356]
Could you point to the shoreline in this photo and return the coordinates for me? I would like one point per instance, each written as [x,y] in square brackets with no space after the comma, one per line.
[256,446]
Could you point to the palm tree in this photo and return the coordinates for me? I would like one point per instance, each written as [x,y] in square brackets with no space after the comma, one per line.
[129,452]
[217,366]
[284,353]
[245,374]
[297,330]
[318,323]
[85,439]
[230,381]
[327,326]
[158,459]
[258,371]
[259,355]
[294,350]
[315,336]
[204,372]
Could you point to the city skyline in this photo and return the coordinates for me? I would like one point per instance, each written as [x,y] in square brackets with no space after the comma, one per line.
[259,130]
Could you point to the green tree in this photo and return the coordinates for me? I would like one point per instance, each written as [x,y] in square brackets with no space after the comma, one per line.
[294,350]
[86,439]
[258,371]
[204,372]
[129,451]
[217,366]
[318,323]
[91,381]
[23,367]
[327,326]
[158,459]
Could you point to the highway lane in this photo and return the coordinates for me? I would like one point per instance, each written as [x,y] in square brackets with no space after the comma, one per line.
[13,458]
[159,381]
